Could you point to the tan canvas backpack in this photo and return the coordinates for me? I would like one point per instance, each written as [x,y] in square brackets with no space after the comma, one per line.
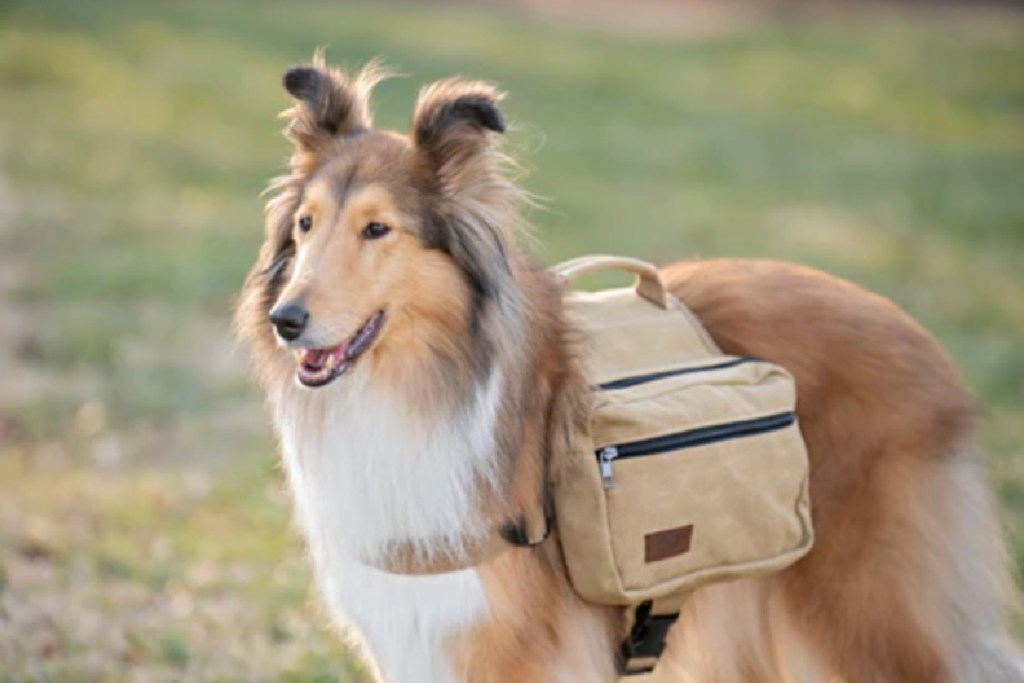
[693,469]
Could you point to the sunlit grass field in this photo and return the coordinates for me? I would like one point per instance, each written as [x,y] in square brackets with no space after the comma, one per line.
[144,531]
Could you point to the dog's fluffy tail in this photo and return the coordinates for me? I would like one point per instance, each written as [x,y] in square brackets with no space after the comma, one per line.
[973,572]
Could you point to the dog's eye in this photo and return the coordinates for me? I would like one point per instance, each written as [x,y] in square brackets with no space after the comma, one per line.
[305,223]
[374,231]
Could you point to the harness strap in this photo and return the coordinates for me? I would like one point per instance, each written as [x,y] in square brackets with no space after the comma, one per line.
[650,623]
[407,558]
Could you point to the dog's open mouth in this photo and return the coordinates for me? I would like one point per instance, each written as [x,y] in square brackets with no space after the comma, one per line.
[318,367]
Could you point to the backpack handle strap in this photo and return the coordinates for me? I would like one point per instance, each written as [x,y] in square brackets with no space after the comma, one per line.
[648,283]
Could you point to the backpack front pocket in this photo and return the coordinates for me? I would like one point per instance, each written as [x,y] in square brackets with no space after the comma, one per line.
[692,438]
[699,473]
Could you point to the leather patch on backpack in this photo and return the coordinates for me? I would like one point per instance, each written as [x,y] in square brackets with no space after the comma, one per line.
[667,543]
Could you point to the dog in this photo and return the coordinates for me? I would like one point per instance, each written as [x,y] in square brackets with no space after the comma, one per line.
[422,379]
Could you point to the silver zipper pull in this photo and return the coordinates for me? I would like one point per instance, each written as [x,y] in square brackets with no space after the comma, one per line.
[608,453]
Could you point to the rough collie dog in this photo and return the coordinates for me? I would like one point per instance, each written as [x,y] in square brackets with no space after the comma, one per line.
[422,380]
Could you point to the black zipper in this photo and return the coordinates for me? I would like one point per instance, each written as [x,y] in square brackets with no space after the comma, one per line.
[663,374]
[688,439]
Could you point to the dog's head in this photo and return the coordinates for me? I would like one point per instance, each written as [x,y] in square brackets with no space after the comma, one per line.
[380,244]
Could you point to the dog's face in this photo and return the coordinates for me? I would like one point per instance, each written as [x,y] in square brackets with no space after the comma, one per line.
[380,244]
[367,269]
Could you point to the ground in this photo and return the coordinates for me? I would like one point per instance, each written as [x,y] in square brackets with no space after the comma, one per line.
[144,528]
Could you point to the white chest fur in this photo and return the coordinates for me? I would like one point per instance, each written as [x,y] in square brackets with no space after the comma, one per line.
[364,472]
[406,621]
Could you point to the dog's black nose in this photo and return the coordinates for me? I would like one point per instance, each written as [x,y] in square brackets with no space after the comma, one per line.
[290,320]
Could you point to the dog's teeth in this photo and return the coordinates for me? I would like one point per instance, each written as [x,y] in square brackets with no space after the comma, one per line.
[331,362]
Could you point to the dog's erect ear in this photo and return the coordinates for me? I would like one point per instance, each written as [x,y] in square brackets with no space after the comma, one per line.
[453,131]
[330,104]
[452,126]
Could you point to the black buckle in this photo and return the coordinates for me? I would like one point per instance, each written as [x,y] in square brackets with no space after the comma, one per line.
[639,653]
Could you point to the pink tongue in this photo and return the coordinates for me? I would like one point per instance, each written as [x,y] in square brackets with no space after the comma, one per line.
[314,357]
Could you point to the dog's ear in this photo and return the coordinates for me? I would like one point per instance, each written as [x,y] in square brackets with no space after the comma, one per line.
[453,132]
[330,104]
[452,128]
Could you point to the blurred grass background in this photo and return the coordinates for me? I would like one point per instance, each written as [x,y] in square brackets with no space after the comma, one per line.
[144,530]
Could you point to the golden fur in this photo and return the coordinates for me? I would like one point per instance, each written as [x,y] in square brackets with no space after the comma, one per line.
[906,581]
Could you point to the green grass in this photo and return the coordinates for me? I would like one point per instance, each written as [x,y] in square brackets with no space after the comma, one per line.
[143,527]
